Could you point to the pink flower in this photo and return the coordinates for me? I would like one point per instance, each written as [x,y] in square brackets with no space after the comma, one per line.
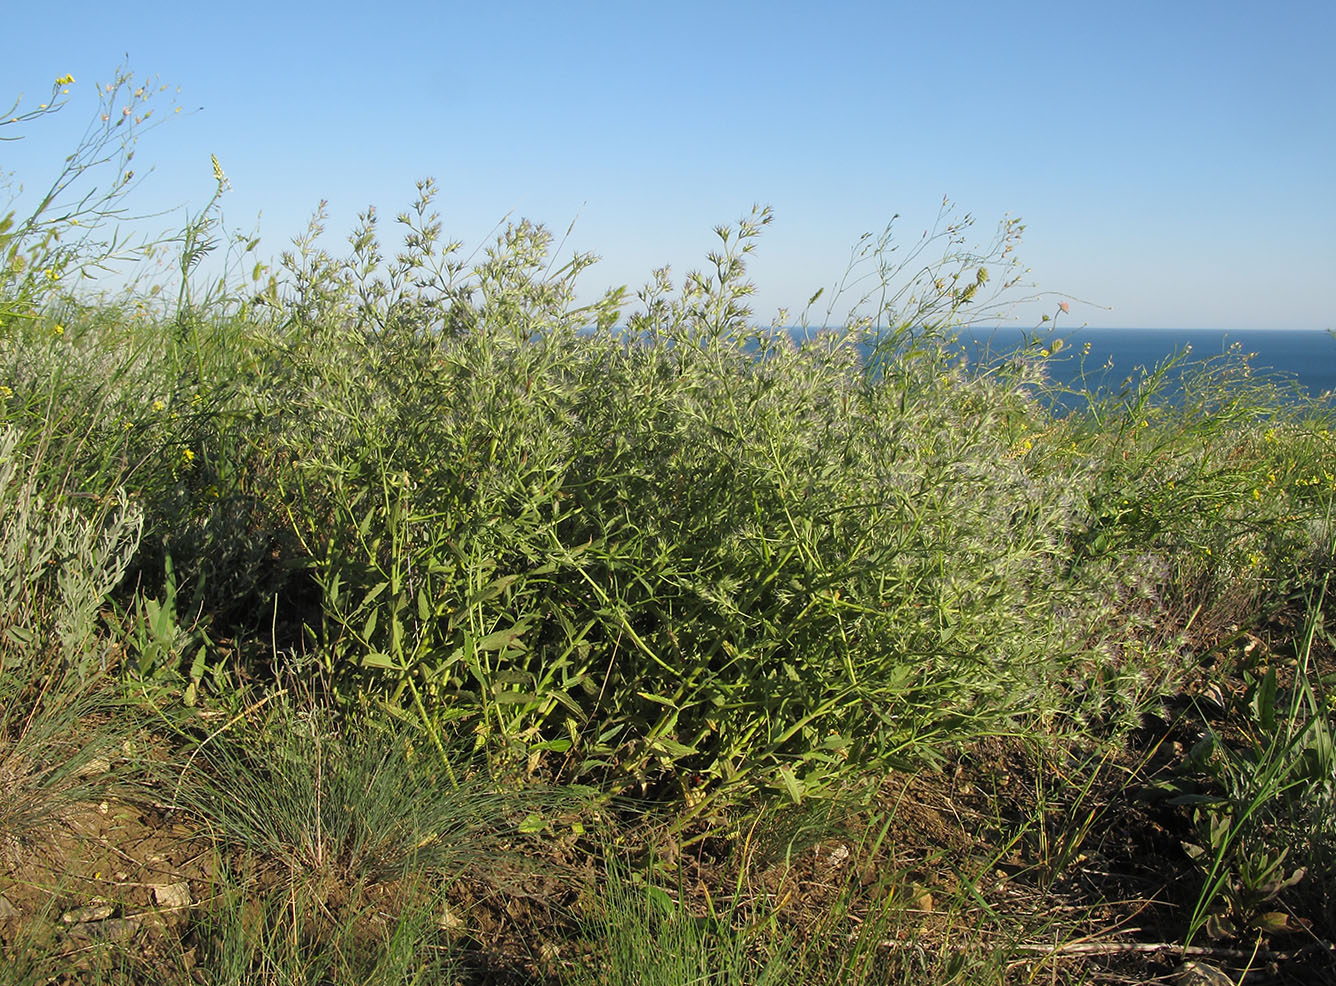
[1065,307]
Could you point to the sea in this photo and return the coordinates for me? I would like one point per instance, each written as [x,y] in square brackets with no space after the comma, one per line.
[1302,361]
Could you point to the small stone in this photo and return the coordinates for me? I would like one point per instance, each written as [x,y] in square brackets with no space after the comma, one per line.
[449,921]
[113,929]
[91,912]
[837,857]
[94,767]
[8,911]
[173,895]
[1192,973]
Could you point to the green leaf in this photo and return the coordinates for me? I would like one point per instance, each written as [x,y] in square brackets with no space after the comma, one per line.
[502,639]
[533,823]
[375,592]
[1273,922]
[1264,702]
[658,699]
[23,636]
[516,698]
[490,591]
[792,785]
[659,898]
[556,746]
[1199,799]
[663,744]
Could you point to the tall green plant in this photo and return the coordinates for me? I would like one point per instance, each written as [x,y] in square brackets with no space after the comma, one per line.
[74,226]
[61,554]
[688,549]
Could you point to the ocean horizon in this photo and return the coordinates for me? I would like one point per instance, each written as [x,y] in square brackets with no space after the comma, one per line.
[1302,357]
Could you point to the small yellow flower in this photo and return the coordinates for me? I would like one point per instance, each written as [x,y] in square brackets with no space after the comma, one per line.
[5,392]
[1257,494]
[158,405]
[187,456]
[59,330]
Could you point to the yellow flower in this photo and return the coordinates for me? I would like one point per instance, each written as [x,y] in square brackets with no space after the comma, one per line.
[187,456]
[59,330]
[158,405]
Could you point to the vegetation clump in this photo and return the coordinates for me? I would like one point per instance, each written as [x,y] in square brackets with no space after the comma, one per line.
[418,617]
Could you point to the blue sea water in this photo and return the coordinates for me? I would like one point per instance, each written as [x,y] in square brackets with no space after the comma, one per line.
[1303,358]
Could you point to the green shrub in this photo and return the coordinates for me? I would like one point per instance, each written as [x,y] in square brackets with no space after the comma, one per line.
[683,549]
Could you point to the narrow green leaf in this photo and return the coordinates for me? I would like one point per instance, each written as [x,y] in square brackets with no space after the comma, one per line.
[663,744]
[501,639]
[792,785]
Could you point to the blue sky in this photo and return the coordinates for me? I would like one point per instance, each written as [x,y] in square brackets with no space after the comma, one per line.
[1172,162]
